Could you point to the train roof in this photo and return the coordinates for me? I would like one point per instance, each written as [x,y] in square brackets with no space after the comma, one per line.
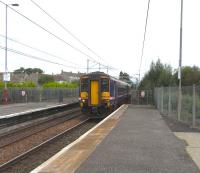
[95,74]
[106,75]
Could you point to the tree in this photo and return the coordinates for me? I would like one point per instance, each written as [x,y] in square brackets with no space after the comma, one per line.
[20,70]
[45,79]
[125,77]
[158,75]
[28,71]
[190,75]
[37,70]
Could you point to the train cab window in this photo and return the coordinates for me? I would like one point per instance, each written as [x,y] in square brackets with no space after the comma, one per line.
[104,85]
[84,85]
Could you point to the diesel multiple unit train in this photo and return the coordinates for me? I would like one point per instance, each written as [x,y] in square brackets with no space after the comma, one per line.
[100,92]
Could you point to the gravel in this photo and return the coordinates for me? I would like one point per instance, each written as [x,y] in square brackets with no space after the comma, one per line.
[177,126]
[35,159]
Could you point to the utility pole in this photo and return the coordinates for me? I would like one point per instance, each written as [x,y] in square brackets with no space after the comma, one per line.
[88,65]
[6,52]
[6,78]
[107,69]
[180,63]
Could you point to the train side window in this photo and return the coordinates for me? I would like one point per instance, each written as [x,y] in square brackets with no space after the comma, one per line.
[104,85]
[84,85]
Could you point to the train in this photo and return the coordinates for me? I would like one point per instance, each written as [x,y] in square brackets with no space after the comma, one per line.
[100,93]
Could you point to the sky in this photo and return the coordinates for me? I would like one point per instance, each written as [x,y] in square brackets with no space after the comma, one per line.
[113,29]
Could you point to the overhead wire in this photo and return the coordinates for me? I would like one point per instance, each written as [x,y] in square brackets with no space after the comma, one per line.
[39,50]
[57,37]
[67,30]
[36,57]
[144,38]
[49,32]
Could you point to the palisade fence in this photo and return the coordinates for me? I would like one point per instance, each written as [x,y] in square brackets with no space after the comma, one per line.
[166,101]
[17,95]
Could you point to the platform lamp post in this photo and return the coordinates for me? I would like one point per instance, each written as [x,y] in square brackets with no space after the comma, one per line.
[180,64]
[5,93]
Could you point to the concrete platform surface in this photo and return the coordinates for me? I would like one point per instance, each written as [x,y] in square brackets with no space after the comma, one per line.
[140,143]
[193,147]
[73,155]
[31,106]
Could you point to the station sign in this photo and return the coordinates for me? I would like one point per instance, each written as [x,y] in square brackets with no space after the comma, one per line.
[142,94]
[6,77]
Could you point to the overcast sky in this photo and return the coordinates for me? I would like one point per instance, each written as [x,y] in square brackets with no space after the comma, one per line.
[112,28]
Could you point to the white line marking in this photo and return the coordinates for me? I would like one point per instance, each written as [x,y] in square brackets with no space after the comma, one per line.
[30,111]
[48,162]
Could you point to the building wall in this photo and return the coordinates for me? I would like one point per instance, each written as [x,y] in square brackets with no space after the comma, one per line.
[64,76]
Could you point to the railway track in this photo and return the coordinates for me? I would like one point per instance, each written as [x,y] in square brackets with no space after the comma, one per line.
[29,137]
[22,130]
[8,121]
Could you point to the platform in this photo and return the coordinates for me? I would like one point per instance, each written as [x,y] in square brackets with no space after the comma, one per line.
[22,108]
[138,141]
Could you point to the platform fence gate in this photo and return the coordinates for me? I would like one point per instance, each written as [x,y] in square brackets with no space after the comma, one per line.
[142,97]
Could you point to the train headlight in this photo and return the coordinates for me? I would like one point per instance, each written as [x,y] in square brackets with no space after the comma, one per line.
[83,101]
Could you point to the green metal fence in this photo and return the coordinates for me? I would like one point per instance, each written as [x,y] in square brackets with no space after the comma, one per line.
[17,95]
[166,101]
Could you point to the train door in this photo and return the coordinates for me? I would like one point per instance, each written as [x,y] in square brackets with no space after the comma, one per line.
[94,92]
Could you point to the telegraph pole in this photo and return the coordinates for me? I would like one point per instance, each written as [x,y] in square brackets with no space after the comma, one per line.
[6,78]
[180,64]
[6,52]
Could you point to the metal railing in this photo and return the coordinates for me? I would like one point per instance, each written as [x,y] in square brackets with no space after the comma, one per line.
[18,95]
[166,101]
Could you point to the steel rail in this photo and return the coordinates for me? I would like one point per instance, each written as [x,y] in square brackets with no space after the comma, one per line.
[25,154]
[35,124]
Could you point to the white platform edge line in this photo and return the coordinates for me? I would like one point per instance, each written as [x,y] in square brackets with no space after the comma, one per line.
[43,165]
[31,111]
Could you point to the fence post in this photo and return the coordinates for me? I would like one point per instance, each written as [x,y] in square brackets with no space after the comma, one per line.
[147,97]
[40,94]
[179,102]
[162,95]
[194,106]
[169,101]
[157,98]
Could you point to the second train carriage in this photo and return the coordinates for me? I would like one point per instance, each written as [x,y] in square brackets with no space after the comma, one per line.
[100,92]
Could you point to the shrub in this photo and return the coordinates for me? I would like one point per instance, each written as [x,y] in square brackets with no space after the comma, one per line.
[60,85]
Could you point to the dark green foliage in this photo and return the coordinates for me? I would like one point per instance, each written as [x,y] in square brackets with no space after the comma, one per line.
[29,71]
[190,75]
[45,79]
[125,77]
[158,75]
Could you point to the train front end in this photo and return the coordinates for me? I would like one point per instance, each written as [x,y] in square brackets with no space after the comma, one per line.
[95,93]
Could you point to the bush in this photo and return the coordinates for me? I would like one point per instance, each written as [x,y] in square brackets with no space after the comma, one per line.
[27,84]
[60,85]
[44,79]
